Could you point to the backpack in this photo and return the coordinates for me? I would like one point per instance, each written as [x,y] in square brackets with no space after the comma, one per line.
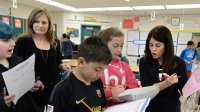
[191,104]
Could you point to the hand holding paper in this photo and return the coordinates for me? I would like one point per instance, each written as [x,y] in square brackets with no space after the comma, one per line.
[116,91]
[21,78]
[8,99]
[139,93]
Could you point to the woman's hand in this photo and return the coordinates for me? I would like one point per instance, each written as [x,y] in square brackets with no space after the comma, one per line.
[8,99]
[38,86]
[115,93]
[171,79]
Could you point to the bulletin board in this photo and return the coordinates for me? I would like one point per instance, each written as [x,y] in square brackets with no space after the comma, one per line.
[136,41]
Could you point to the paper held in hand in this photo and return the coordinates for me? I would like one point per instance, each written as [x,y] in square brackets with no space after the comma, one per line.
[132,106]
[139,93]
[20,78]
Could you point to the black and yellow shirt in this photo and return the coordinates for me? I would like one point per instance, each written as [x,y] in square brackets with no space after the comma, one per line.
[72,95]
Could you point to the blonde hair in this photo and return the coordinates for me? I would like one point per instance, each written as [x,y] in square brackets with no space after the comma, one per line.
[32,19]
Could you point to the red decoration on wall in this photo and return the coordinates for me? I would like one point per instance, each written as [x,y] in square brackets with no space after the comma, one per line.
[6,20]
[128,23]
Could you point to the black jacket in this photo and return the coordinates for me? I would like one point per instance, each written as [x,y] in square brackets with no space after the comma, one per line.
[168,99]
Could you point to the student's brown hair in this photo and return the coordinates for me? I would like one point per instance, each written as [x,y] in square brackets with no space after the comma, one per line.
[107,34]
[161,34]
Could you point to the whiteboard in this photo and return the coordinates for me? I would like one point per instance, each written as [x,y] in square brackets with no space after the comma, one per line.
[141,49]
[143,35]
[174,50]
[184,37]
[133,35]
[175,36]
[180,48]
[136,41]
[131,49]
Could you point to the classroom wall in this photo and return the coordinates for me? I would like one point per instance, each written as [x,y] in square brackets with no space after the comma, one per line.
[22,11]
[68,19]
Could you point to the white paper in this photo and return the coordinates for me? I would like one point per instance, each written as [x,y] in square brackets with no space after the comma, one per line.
[20,78]
[133,106]
[139,93]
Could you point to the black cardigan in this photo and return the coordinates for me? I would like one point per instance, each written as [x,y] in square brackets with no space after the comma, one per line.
[168,99]
[46,66]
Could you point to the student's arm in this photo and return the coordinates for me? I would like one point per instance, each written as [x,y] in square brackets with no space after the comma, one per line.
[195,53]
[111,92]
[107,90]
[182,54]
[131,81]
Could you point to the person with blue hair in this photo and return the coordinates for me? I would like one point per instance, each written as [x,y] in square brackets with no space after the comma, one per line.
[7,61]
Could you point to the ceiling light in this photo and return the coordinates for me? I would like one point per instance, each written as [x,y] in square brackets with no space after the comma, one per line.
[127,0]
[153,7]
[90,9]
[183,6]
[57,4]
[118,8]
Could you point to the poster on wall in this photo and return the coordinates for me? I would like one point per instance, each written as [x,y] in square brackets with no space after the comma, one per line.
[90,19]
[6,20]
[128,23]
[18,23]
[72,32]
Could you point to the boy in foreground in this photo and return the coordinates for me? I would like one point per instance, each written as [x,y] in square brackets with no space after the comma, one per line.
[82,90]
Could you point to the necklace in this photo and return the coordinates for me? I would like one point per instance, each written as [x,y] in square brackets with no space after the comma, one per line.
[45,60]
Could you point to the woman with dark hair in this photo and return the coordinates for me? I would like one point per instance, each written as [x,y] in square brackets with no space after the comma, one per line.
[159,57]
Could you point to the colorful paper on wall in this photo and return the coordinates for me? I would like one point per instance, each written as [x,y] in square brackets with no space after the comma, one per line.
[73,32]
[90,19]
[6,20]
[136,19]
[127,23]
[18,23]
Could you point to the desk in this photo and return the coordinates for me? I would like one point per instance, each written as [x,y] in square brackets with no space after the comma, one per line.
[135,68]
[70,62]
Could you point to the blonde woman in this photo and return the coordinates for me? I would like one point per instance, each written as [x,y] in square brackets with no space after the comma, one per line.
[39,39]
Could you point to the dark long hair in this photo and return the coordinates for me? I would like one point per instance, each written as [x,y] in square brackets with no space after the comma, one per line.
[161,34]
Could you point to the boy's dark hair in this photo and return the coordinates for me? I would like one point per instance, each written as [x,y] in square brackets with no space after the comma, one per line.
[93,49]
[190,43]
[64,35]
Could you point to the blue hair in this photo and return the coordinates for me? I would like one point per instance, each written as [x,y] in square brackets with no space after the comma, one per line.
[6,32]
